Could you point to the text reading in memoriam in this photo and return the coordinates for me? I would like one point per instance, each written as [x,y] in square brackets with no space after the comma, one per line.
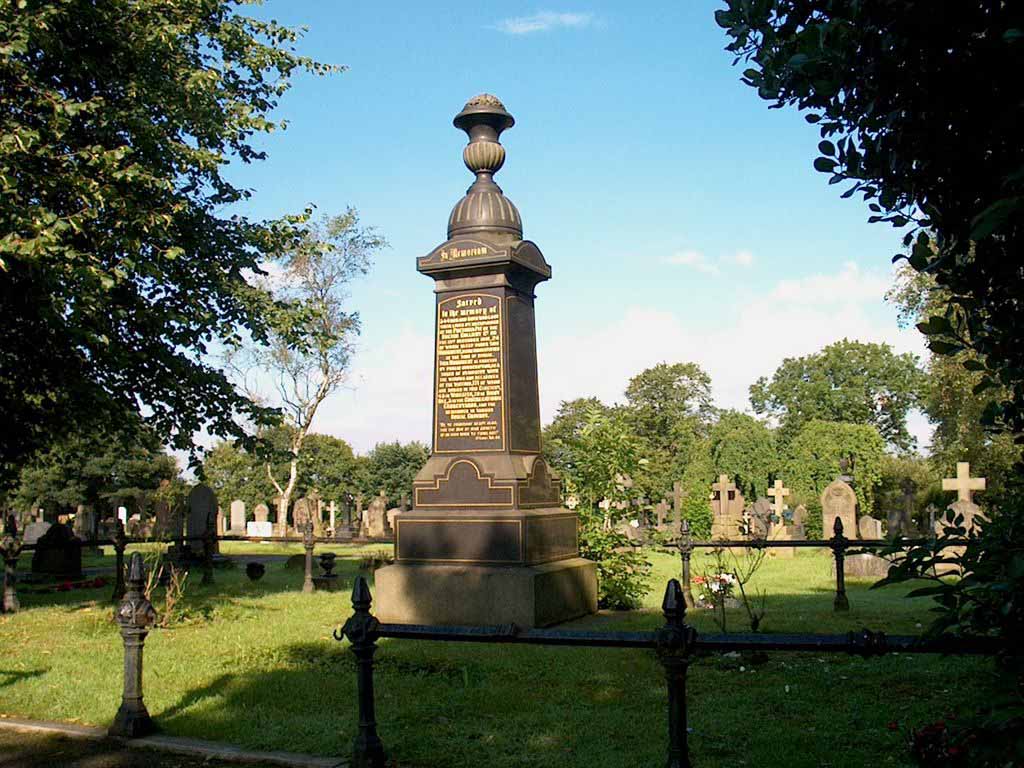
[469,377]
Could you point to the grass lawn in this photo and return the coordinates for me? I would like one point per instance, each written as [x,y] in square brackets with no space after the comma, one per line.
[254,664]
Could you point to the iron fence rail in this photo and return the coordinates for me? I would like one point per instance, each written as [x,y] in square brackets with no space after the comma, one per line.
[675,644]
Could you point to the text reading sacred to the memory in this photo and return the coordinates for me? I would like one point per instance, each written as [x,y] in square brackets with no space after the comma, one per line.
[469,372]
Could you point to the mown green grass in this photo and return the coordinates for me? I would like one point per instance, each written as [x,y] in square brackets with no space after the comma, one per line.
[255,664]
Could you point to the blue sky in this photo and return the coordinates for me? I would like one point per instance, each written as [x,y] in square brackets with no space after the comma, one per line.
[682,217]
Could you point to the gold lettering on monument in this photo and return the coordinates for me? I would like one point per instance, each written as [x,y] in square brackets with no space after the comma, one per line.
[468,392]
[453,253]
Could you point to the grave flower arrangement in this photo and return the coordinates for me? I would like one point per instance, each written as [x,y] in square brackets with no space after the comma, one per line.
[714,589]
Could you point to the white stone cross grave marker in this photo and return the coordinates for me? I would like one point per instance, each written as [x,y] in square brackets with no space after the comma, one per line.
[779,493]
[963,483]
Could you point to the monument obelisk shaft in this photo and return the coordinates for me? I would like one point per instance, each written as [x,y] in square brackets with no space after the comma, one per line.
[487,540]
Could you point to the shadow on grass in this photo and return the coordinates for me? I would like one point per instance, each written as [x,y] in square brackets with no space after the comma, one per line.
[10,677]
[454,704]
[230,585]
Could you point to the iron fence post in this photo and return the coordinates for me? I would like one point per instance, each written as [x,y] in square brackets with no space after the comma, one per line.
[10,548]
[839,544]
[685,553]
[307,542]
[674,643]
[208,535]
[362,631]
[134,616]
[120,543]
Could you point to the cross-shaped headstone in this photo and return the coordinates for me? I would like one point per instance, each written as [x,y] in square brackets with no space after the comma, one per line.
[723,487]
[778,492]
[963,483]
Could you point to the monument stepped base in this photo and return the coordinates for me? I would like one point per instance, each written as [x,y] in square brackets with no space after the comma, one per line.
[528,596]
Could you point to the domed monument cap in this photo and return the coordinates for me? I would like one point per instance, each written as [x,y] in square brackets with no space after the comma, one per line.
[484,107]
[484,209]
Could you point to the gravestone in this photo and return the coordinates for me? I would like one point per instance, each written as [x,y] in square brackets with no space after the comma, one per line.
[963,484]
[839,500]
[34,531]
[333,513]
[238,517]
[389,517]
[758,518]
[202,517]
[487,540]
[727,505]
[170,524]
[375,519]
[778,492]
[122,515]
[85,523]
[259,529]
[301,513]
[261,513]
[868,528]
[905,520]
[661,515]
[58,553]
[800,515]
[677,505]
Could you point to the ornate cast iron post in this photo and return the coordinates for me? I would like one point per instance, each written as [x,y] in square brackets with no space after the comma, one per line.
[10,549]
[675,642]
[134,616]
[685,553]
[361,630]
[839,544]
[307,542]
[208,537]
[120,543]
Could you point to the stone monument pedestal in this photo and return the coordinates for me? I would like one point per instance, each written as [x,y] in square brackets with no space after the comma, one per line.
[527,596]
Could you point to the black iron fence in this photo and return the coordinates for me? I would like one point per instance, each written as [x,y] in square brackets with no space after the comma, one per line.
[840,545]
[12,546]
[675,644]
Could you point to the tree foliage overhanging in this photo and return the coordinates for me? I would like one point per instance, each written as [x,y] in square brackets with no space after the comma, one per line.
[920,106]
[120,264]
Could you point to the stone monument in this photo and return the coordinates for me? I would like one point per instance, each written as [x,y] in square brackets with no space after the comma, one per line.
[486,541]
[238,517]
[839,500]
[202,516]
[727,506]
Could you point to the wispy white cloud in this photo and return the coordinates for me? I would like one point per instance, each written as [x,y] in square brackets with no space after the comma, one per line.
[544,21]
[850,284]
[742,259]
[694,260]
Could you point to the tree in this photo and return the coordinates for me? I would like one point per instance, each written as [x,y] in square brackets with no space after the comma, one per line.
[392,467]
[305,368]
[744,448]
[96,471]
[122,257]
[920,106]
[815,458]
[954,396]
[848,381]
[327,464]
[561,437]
[669,409]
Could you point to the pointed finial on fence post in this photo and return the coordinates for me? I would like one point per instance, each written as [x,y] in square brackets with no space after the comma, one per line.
[674,644]
[134,617]
[839,544]
[361,629]
[10,549]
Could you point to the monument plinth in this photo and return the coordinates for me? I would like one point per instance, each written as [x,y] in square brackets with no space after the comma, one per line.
[487,541]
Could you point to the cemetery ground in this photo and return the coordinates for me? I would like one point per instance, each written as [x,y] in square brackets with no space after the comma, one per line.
[254,664]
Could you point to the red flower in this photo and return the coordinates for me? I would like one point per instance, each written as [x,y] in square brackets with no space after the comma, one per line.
[892,725]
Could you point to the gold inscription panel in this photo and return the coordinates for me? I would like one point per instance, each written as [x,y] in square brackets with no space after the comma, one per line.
[469,396]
